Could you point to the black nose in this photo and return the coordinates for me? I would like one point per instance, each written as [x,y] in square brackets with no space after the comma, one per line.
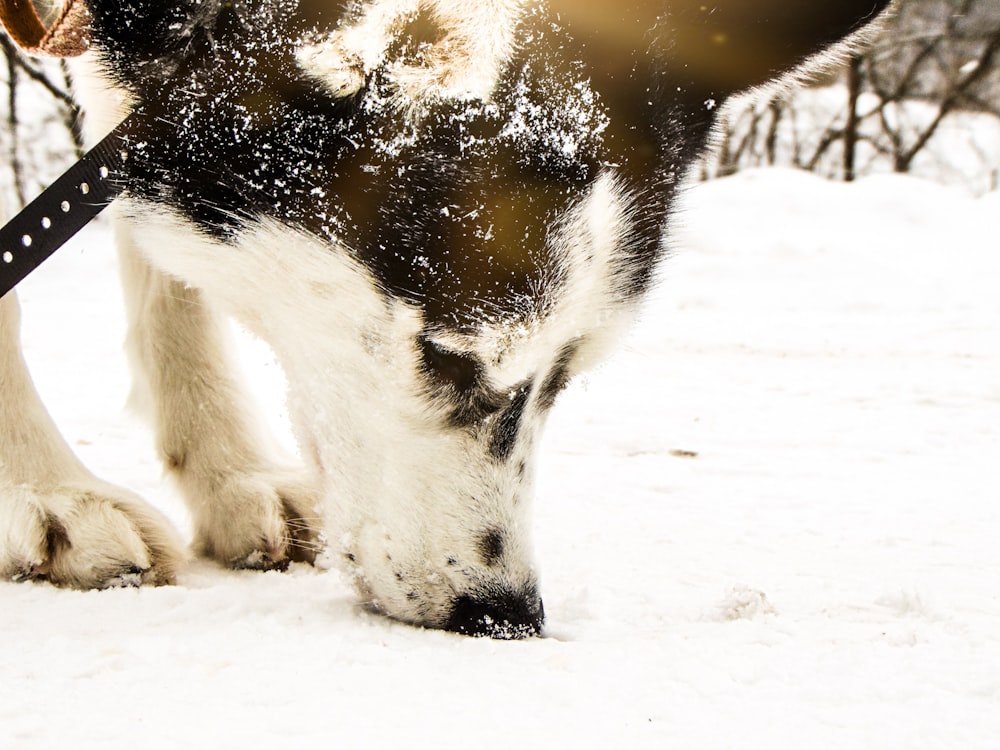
[507,617]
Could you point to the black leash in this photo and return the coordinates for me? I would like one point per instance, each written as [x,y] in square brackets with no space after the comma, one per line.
[64,208]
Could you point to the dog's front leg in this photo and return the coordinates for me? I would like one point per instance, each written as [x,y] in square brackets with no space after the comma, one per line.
[57,520]
[250,509]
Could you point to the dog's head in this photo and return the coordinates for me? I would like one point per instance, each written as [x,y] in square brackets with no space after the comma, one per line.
[422,414]
[425,431]
[431,273]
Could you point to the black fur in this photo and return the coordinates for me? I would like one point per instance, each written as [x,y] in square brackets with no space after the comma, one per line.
[507,426]
[457,221]
[491,546]
[558,377]
[460,380]
[455,214]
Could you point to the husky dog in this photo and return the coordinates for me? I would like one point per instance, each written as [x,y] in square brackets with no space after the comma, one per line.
[436,212]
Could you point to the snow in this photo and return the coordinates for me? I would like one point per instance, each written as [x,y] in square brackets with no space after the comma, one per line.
[770,521]
[963,152]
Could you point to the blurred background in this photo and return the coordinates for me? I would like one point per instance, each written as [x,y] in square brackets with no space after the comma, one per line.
[924,99]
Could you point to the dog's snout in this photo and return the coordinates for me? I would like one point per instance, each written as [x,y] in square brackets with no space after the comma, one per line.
[504,617]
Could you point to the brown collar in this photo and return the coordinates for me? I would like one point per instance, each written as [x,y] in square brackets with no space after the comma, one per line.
[67,36]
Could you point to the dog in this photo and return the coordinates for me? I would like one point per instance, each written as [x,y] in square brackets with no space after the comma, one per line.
[436,212]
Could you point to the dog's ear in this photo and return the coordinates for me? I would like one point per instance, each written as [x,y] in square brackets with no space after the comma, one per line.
[734,45]
[718,47]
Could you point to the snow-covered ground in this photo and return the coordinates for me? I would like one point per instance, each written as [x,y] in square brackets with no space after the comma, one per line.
[772,520]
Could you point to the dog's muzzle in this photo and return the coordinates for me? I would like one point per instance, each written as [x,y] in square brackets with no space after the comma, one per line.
[495,614]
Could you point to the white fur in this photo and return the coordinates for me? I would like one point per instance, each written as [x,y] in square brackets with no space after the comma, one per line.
[404,492]
[250,504]
[244,494]
[57,520]
[478,38]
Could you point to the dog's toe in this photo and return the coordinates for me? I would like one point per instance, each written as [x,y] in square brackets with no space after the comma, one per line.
[87,536]
[261,560]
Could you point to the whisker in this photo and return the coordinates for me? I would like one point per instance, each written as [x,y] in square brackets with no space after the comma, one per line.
[302,523]
[307,544]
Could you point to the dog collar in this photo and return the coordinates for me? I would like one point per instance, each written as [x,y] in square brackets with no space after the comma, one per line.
[64,208]
[83,191]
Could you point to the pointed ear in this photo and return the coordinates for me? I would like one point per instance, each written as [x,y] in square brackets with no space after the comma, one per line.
[718,47]
[729,46]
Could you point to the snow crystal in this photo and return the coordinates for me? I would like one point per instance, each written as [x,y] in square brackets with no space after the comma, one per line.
[744,603]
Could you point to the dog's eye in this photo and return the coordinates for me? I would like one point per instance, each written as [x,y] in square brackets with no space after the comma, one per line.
[461,371]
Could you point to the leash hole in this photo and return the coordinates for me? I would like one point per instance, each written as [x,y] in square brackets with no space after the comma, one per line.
[104,172]
[26,240]
[64,206]
[46,222]
[8,257]
[84,188]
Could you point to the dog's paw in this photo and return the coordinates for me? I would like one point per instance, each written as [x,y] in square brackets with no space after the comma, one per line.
[87,536]
[260,520]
